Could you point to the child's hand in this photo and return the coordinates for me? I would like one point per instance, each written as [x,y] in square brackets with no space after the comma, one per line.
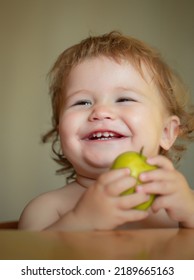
[174,192]
[102,208]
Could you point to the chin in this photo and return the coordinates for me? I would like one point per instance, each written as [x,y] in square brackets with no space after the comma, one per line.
[101,164]
[91,172]
[98,158]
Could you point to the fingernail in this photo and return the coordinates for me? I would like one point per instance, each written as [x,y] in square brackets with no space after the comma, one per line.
[139,189]
[127,170]
[149,160]
[142,177]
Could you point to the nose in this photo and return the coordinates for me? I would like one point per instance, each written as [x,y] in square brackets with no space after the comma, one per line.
[102,112]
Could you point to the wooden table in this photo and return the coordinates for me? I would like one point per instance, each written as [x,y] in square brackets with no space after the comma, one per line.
[151,244]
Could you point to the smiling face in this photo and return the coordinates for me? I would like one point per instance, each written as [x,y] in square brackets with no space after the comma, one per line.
[109,108]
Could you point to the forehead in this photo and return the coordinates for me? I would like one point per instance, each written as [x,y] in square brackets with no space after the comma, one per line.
[101,75]
[105,70]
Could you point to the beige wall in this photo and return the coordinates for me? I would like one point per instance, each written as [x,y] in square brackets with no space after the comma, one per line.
[33,33]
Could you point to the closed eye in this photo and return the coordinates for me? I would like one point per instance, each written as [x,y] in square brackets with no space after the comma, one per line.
[82,103]
[126,99]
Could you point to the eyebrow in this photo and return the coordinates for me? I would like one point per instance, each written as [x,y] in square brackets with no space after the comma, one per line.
[73,93]
[133,89]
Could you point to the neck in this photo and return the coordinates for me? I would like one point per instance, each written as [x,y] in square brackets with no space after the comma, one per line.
[84,182]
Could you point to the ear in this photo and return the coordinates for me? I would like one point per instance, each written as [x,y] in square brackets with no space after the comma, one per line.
[170,132]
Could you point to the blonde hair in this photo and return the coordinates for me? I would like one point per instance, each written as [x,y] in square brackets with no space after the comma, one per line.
[116,46]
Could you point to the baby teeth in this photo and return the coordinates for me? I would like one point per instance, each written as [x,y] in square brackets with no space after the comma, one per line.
[99,134]
[105,134]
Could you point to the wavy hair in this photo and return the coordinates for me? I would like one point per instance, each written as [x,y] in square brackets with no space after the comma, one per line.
[116,46]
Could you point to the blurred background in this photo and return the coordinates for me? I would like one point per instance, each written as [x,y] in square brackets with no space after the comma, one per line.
[33,34]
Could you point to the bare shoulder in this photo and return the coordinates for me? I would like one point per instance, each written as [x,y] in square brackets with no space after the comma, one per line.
[48,207]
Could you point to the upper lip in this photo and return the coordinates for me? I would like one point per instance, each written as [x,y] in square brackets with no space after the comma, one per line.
[103,132]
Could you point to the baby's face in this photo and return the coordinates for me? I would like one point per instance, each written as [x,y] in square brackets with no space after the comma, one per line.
[109,109]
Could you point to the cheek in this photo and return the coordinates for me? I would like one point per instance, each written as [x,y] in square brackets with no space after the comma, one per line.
[68,121]
[143,120]
[69,124]
[134,118]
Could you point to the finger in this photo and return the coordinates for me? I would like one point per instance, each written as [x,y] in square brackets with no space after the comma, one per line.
[133,215]
[130,201]
[161,202]
[157,175]
[161,162]
[120,185]
[112,175]
[158,188]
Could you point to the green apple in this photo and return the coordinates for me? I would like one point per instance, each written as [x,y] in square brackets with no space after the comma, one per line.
[137,164]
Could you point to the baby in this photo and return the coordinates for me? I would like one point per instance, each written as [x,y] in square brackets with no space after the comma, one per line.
[112,94]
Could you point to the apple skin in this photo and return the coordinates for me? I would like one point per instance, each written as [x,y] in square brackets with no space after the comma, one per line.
[137,164]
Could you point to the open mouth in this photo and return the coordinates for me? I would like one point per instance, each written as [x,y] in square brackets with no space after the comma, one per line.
[104,136]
